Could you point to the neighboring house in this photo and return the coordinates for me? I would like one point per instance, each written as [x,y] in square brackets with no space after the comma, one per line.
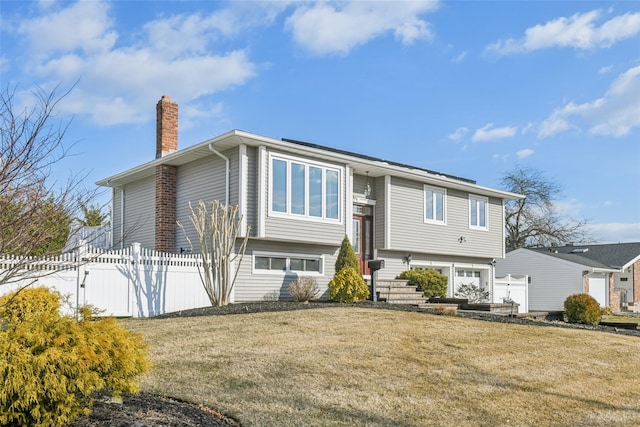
[301,199]
[610,273]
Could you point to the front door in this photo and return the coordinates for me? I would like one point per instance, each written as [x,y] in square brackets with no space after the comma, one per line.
[362,238]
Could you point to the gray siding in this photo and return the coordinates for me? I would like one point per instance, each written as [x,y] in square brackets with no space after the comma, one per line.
[116,219]
[203,179]
[258,287]
[139,217]
[410,232]
[252,189]
[379,214]
[552,279]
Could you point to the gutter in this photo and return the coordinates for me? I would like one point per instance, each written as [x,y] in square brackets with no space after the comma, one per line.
[227,172]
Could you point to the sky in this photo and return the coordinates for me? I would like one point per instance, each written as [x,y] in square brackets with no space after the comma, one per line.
[468,88]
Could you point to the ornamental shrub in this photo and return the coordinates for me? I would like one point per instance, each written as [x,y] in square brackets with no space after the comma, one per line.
[582,308]
[348,286]
[346,257]
[303,289]
[50,364]
[430,282]
[472,292]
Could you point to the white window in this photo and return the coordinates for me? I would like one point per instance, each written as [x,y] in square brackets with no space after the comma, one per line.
[304,189]
[279,263]
[435,200]
[478,212]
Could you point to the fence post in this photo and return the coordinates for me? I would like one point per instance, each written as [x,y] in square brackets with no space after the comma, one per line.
[83,272]
[135,279]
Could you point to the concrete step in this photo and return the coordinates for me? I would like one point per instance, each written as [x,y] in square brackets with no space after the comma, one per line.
[436,305]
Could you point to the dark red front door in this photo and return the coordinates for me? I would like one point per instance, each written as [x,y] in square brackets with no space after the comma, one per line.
[363,235]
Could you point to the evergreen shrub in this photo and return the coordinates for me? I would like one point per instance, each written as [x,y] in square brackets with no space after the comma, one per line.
[430,282]
[50,364]
[348,286]
[582,308]
[347,257]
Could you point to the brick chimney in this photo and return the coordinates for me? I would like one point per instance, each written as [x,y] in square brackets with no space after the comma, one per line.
[166,126]
[166,142]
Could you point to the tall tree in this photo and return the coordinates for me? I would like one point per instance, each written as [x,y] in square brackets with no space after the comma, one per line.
[36,209]
[93,215]
[535,221]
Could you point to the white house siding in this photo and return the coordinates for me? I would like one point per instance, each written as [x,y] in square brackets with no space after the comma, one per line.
[411,233]
[252,185]
[552,279]
[203,179]
[259,286]
[139,217]
[116,215]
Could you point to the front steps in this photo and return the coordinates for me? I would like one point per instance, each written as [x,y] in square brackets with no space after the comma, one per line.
[631,307]
[397,291]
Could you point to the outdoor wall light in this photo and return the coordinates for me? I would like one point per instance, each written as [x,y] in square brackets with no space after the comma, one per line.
[367,187]
[462,239]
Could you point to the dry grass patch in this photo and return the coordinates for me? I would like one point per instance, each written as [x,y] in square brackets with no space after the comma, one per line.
[352,366]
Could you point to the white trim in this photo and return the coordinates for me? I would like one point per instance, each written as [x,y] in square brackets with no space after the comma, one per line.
[288,257]
[387,211]
[424,205]
[357,200]
[242,188]
[262,191]
[486,212]
[348,224]
[307,163]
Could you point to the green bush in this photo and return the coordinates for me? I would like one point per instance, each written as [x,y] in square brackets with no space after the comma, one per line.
[346,257]
[582,308]
[50,364]
[348,286]
[430,282]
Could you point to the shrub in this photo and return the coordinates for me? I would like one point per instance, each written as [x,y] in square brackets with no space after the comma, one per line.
[430,282]
[52,364]
[303,289]
[582,308]
[472,292]
[348,286]
[444,310]
[346,257]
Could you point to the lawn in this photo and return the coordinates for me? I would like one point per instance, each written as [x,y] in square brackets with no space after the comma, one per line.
[350,366]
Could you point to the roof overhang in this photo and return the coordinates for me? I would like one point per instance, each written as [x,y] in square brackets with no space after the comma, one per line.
[374,167]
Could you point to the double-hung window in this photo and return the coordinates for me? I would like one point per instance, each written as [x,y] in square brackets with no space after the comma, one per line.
[478,212]
[304,189]
[435,200]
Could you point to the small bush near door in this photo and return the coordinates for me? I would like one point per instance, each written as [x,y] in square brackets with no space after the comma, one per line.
[348,286]
[582,308]
[430,282]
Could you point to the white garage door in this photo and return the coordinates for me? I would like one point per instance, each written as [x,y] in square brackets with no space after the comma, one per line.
[598,288]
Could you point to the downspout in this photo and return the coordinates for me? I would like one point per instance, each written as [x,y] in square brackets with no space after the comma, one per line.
[226,159]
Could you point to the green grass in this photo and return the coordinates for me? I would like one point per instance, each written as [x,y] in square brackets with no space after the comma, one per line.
[351,366]
[616,318]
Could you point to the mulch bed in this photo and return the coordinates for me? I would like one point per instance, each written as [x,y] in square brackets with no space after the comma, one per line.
[148,410]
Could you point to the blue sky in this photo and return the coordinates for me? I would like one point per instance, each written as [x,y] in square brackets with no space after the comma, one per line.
[465,88]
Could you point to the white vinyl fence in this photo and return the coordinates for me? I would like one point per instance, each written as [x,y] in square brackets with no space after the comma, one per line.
[512,288]
[132,282]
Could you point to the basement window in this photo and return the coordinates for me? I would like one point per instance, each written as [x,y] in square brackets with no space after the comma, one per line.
[277,263]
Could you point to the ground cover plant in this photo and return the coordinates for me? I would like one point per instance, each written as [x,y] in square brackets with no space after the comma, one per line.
[341,366]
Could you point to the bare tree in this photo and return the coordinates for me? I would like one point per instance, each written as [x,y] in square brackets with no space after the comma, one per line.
[218,228]
[36,209]
[535,221]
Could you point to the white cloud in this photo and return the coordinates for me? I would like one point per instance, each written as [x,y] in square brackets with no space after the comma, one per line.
[458,134]
[578,31]
[524,153]
[605,70]
[615,114]
[118,82]
[615,232]
[337,27]
[488,133]
[460,57]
